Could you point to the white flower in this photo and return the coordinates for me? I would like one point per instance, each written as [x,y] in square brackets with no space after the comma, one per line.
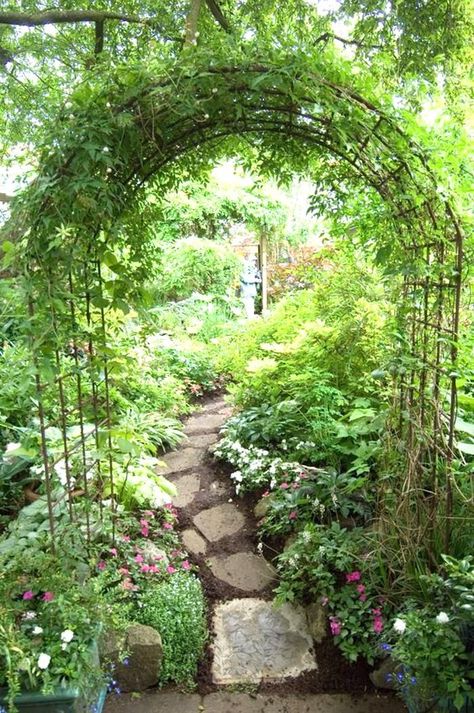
[67,636]
[37,630]
[442,618]
[399,625]
[260,548]
[12,447]
[29,615]
[63,646]
[44,661]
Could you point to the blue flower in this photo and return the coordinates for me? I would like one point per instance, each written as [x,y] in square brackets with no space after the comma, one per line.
[413,680]
[385,647]
[126,661]
[389,677]
[400,676]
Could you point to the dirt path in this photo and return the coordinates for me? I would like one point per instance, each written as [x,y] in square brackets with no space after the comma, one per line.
[265,657]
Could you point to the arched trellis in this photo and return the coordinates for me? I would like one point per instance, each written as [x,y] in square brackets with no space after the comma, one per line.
[285,108]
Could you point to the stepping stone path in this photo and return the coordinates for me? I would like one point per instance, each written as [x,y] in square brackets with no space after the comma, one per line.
[252,641]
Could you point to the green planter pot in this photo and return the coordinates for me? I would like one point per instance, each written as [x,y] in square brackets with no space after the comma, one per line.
[62,700]
[65,700]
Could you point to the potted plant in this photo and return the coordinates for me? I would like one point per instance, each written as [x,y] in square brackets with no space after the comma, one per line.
[49,623]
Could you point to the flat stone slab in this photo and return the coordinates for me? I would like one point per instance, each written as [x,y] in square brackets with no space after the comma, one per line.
[244,570]
[219,521]
[255,640]
[202,441]
[204,423]
[182,460]
[309,703]
[194,542]
[187,486]
[154,702]
[224,702]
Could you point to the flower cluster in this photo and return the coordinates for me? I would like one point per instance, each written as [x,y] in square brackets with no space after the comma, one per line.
[152,551]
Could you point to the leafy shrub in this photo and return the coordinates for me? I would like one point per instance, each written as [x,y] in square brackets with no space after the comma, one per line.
[176,609]
[196,265]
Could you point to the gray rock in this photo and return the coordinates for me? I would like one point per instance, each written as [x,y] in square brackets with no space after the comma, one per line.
[204,423]
[203,441]
[316,616]
[193,542]
[255,640]
[187,487]
[179,461]
[153,554]
[262,507]
[145,653]
[219,521]
[243,570]
[382,677]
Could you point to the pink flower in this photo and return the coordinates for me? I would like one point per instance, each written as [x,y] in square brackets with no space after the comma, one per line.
[149,513]
[170,569]
[324,601]
[154,569]
[158,557]
[167,526]
[138,558]
[113,551]
[126,538]
[284,486]
[28,595]
[377,612]
[335,625]
[185,564]
[144,528]
[176,553]
[353,576]
[48,597]
[129,585]
[363,597]
[124,571]
[101,565]
[360,588]
[145,568]
[266,494]
[293,515]
[378,624]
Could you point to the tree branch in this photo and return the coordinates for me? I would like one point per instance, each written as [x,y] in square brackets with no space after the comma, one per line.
[192,22]
[330,35]
[99,36]
[218,15]
[54,17]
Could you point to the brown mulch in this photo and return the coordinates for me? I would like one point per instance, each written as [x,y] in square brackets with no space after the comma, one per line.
[334,674]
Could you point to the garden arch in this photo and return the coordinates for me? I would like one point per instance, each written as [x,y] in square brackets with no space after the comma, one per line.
[112,140]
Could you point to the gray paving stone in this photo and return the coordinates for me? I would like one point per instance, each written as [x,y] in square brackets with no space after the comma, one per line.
[309,703]
[219,521]
[243,570]
[255,640]
[202,441]
[154,702]
[226,702]
[204,423]
[187,486]
[182,460]
[194,542]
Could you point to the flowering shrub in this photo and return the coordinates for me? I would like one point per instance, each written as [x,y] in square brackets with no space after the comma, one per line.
[146,552]
[48,622]
[434,643]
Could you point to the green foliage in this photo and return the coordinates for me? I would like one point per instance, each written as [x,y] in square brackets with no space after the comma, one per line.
[48,611]
[434,644]
[193,265]
[176,609]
